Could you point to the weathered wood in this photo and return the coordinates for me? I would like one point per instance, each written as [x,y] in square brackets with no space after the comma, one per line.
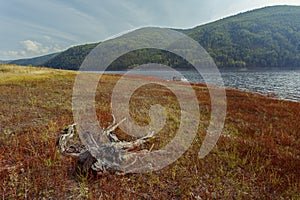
[105,156]
[84,164]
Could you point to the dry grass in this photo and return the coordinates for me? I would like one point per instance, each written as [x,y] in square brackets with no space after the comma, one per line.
[257,157]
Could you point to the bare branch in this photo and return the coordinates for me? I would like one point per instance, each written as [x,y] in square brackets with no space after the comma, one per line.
[100,156]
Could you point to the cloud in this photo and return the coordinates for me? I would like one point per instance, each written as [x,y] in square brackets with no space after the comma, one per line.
[46,37]
[33,46]
[69,23]
[30,48]
[11,53]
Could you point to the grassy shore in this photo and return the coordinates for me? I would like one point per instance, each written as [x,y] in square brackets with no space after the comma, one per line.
[257,156]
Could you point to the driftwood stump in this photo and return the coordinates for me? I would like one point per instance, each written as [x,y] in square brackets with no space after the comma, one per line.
[84,165]
[104,156]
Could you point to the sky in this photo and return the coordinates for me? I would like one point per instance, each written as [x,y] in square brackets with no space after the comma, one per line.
[30,28]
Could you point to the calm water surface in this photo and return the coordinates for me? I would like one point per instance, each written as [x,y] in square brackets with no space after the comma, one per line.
[283,84]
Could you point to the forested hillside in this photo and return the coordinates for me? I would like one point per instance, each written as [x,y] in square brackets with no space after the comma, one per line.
[37,61]
[267,37]
[71,58]
[259,39]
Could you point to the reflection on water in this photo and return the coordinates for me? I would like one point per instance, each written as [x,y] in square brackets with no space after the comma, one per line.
[283,84]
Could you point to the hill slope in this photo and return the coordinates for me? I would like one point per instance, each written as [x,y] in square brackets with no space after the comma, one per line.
[37,61]
[267,37]
[71,58]
[260,39]
[4,61]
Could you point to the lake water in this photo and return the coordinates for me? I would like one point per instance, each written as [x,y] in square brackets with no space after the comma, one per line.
[283,84]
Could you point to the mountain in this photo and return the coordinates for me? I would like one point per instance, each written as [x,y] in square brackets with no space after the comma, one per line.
[71,58]
[267,37]
[5,61]
[36,61]
[259,39]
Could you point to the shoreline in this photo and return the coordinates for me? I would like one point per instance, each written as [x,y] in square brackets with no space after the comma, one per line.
[258,148]
[270,95]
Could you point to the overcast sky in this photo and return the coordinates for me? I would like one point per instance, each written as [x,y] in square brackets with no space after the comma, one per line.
[36,27]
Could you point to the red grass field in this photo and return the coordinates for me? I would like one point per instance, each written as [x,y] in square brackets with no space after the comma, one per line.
[257,156]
